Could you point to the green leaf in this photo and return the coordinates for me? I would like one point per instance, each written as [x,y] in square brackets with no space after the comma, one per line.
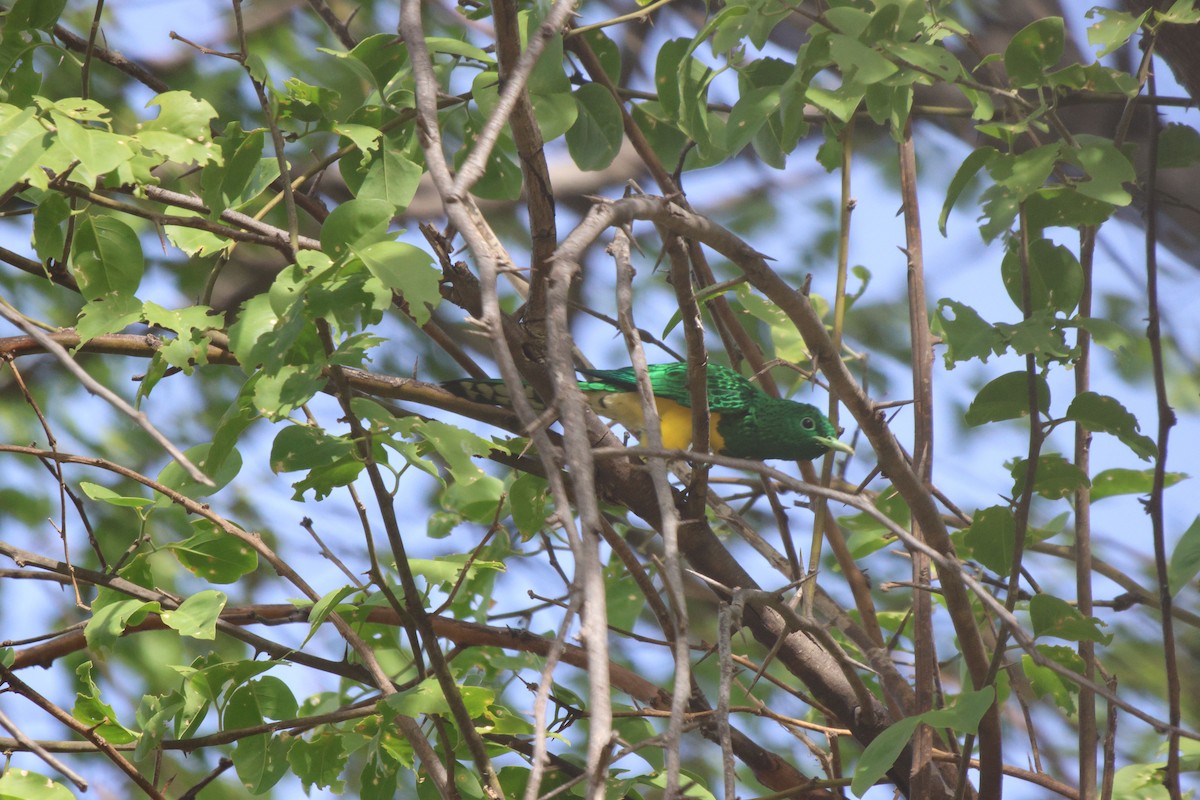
[929,57]
[254,702]
[1185,558]
[664,136]
[1034,50]
[173,475]
[356,223]
[327,605]
[879,756]
[23,146]
[966,712]
[1024,174]
[476,500]
[95,713]
[1178,145]
[1041,335]
[448,570]
[1181,12]
[154,716]
[1053,616]
[182,114]
[427,698]
[261,761]
[1055,479]
[456,47]
[859,64]
[749,114]
[97,151]
[35,14]
[197,616]
[868,534]
[21,784]
[280,392]
[965,334]
[181,130]
[107,257]
[377,59]
[249,335]
[1045,681]
[624,602]
[1102,414]
[298,447]
[226,185]
[391,177]
[555,113]
[1006,397]
[189,347]
[1055,276]
[548,76]
[407,270]
[501,176]
[785,339]
[595,138]
[1117,481]
[213,555]
[109,621]
[110,313]
[889,105]
[106,495]
[841,103]
[670,55]
[1113,30]
[365,137]
[49,235]
[319,761]
[1108,168]
[527,498]
[1066,207]
[992,538]
[332,461]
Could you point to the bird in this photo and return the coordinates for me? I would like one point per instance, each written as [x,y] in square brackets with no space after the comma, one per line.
[744,422]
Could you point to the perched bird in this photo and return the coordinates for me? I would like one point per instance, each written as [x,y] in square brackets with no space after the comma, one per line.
[744,422]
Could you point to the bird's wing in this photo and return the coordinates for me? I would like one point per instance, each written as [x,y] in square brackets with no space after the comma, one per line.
[728,391]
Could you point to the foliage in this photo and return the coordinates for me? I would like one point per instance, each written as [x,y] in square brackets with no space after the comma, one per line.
[266,563]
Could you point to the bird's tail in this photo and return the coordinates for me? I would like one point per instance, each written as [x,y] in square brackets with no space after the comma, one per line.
[491,392]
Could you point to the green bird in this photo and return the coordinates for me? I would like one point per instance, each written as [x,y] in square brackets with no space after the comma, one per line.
[744,422]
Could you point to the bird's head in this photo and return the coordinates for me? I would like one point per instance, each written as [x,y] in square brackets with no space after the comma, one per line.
[812,432]
[782,429]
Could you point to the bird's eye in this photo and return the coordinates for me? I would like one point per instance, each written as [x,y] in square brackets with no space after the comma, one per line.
[808,423]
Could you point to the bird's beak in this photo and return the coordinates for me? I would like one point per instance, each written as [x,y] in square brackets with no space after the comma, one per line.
[836,444]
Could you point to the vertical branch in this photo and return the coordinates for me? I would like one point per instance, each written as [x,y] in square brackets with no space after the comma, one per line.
[1166,420]
[539,193]
[673,567]
[510,95]
[589,575]
[85,71]
[1088,733]
[924,651]
[697,361]
[1083,527]
[820,507]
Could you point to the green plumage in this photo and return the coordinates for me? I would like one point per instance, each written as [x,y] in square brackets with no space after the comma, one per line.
[746,423]
[728,391]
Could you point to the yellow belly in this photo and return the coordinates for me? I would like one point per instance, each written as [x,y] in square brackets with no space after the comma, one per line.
[675,420]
